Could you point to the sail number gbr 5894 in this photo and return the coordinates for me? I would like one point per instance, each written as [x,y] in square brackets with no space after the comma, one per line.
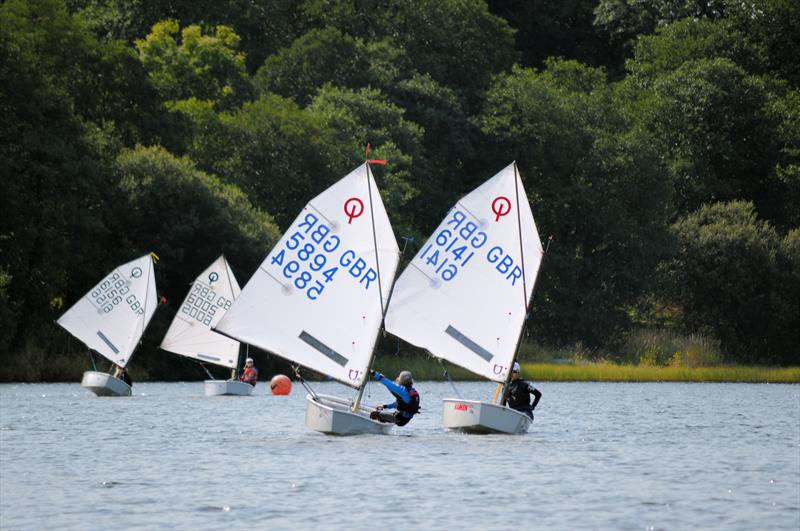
[311,257]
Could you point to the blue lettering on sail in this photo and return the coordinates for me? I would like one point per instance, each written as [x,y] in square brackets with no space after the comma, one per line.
[454,246]
[311,257]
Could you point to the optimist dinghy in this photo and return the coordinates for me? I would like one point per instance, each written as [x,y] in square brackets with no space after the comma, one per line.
[465,295]
[190,333]
[111,318]
[319,297]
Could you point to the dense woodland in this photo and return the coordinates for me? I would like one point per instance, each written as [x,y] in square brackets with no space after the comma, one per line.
[659,143]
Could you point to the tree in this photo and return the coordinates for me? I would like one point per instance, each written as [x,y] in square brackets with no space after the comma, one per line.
[457,42]
[719,135]
[200,66]
[721,277]
[187,217]
[354,119]
[318,57]
[593,184]
[277,153]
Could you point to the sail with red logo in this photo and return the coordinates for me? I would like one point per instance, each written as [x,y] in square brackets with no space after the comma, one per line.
[465,295]
[318,298]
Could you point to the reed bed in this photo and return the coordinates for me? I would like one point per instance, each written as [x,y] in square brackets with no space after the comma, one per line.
[429,369]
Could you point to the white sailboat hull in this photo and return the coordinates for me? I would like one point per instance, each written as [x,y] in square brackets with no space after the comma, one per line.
[473,416]
[227,388]
[333,415]
[103,384]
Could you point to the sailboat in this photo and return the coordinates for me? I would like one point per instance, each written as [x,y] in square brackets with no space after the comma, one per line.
[190,334]
[465,295]
[111,318]
[319,297]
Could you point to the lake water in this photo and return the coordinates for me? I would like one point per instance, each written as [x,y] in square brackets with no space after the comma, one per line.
[598,456]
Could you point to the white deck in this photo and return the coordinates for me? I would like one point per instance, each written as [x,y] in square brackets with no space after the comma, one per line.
[473,416]
[227,388]
[103,384]
[334,416]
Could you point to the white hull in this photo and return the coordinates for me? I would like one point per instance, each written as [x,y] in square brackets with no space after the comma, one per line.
[473,416]
[333,415]
[227,388]
[103,384]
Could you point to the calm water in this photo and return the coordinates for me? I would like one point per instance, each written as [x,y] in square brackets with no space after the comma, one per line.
[598,456]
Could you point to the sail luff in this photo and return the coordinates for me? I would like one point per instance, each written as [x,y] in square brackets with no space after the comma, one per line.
[363,385]
[526,300]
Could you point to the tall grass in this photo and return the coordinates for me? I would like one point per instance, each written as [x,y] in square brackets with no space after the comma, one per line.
[608,372]
[425,368]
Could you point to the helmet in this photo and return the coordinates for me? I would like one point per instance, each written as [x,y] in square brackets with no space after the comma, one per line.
[516,367]
[404,378]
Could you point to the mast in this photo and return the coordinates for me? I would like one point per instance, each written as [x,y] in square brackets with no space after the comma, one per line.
[363,385]
[527,301]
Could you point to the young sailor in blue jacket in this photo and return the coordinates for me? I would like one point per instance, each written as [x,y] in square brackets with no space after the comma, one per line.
[406,397]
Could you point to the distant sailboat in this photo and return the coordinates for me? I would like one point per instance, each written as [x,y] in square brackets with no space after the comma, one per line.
[190,334]
[465,295]
[111,318]
[318,298]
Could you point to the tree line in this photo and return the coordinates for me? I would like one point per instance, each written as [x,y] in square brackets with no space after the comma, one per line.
[659,143]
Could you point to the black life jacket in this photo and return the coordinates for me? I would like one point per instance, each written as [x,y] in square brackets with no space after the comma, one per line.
[412,407]
[519,394]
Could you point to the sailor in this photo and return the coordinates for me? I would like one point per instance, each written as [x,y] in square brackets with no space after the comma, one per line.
[122,374]
[519,393]
[406,397]
[250,373]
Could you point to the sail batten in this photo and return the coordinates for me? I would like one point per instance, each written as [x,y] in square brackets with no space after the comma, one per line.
[316,299]
[463,297]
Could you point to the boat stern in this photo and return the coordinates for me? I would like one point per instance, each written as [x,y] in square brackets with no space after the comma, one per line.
[473,416]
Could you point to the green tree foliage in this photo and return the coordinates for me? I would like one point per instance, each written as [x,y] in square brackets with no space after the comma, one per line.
[624,20]
[314,59]
[264,25]
[691,40]
[366,116]
[723,276]
[772,26]
[200,66]
[457,42]
[720,137]
[597,188]
[187,217]
[54,170]
[277,153]
[558,29]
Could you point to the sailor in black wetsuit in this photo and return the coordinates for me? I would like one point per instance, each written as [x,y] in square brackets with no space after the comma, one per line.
[519,393]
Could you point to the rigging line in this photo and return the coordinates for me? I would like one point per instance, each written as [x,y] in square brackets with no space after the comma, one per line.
[91,357]
[450,380]
[211,376]
[524,285]
[363,385]
[229,272]
[296,369]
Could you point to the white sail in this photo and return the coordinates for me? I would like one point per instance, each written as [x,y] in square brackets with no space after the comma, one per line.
[190,334]
[315,299]
[111,318]
[463,297]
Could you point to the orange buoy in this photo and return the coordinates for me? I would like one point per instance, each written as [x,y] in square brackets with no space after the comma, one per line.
[280,385]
